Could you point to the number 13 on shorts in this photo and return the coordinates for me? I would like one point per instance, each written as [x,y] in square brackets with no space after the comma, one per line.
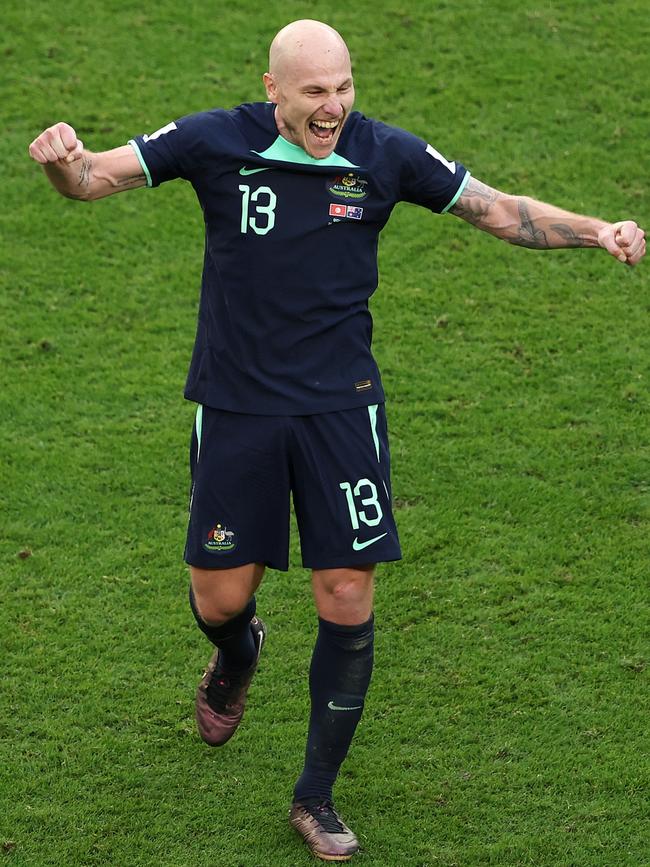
[363,503]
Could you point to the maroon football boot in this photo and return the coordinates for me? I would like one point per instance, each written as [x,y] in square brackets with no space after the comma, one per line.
[217,724]
[322,829]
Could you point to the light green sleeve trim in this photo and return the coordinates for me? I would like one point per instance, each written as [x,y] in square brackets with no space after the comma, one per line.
[141,161]
[459,192]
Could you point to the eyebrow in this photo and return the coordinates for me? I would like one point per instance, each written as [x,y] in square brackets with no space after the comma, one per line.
[313,86]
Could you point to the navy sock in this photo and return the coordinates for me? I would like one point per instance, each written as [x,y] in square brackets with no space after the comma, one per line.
[233,638]
[339,676]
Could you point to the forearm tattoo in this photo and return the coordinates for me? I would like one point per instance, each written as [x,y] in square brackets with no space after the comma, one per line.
[84,171]
[133,180]
[86,179]
[572,240]
[512,219]
[528,234]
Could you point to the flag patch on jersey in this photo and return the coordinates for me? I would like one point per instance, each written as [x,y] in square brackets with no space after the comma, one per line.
[352,212]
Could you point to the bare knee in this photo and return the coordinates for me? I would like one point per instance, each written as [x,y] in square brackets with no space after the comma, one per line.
[214,612]
[221,594]
[344,596]
[348,589]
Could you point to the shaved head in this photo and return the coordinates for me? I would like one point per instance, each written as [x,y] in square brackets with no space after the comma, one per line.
[306,42]
[310,82]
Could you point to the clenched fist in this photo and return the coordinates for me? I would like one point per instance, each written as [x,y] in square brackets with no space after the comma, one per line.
[624,240]
[56,143]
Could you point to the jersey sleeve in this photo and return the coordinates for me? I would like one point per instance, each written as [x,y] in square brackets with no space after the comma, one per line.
[176,150]
[427,178]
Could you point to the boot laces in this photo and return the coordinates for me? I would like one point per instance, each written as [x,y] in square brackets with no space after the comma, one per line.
[326,816]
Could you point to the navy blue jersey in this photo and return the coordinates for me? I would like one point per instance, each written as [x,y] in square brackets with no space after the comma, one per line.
[291,252]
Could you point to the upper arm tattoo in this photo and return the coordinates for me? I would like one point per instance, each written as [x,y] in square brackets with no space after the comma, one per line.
[475,202]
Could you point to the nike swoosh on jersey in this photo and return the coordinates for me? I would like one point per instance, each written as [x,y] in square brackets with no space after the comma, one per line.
[359,546]
[244,171]
[333,706]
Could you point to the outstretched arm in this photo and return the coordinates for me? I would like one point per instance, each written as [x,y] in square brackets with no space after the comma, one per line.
[80,174]
[529,223]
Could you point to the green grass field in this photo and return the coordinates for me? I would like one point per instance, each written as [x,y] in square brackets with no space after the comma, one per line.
[508,717]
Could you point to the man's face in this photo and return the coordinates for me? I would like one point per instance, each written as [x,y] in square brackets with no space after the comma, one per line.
[313,101]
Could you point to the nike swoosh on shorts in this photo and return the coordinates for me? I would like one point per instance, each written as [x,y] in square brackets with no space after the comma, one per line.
[359,546]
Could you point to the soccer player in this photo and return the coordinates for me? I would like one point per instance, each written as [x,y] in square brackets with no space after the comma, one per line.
[294,193]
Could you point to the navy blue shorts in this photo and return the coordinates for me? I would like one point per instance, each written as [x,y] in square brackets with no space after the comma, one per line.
[245,468]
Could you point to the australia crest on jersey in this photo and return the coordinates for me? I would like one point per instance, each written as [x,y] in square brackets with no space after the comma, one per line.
[348,186]
[220,540]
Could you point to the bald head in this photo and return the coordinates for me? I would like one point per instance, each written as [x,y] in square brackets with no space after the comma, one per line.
[306,43]
[310,82]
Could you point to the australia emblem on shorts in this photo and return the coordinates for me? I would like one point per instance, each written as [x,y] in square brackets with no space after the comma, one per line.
[348,186]
[220,539]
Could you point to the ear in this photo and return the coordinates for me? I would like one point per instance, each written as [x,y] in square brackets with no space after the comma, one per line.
[271,89]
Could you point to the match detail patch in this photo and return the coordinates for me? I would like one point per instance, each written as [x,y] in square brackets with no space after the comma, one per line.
[349,212]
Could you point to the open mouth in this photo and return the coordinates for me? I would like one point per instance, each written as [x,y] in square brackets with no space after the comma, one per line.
[324,130]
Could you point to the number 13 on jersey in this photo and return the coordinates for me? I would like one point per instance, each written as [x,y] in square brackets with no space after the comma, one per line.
[265,209]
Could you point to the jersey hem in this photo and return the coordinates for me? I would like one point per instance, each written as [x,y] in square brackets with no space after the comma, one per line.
[338,406]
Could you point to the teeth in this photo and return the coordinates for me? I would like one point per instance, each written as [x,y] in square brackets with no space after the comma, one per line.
[326,124]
